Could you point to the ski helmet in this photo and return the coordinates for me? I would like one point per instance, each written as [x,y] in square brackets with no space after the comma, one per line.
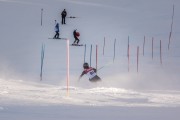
[86,65]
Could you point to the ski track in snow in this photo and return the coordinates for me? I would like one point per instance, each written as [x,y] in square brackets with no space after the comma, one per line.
[28,93]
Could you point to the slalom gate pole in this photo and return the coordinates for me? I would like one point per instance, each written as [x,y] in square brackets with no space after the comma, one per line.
[41,16]
[160,53]
[170,34]
[42,59]
[114,50]
[90,54]
[84,53]
[41,62]
[144,44]
[96,56]
[128,47]
[104,45]
[152,48]
[137,58]
[128,52]
[67,82]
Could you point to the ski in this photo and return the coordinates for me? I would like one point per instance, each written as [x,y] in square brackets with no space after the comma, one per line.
[76,44]
[58,38]
[72,17]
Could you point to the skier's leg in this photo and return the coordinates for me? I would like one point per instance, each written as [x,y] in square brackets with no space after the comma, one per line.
[64,20]
[77,41]
[74,41]
[95,79]
[57,35]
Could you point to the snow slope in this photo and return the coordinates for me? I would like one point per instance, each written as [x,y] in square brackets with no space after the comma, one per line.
[151,93]
[28,93]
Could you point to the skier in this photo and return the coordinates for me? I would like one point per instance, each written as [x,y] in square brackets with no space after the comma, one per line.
[63,15]
[91,72]
[76,35]
[56,36]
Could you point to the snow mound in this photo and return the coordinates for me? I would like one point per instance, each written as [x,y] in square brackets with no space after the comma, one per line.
[27,93]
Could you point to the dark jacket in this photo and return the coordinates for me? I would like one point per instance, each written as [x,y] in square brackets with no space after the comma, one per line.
[64,13]
[57,27]
[74,33]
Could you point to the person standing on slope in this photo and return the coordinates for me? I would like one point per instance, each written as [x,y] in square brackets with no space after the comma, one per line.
[76,35]
[56,36]
[91,72]
[63,15]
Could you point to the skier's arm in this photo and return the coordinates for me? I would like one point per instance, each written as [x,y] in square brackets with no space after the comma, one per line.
[81,75]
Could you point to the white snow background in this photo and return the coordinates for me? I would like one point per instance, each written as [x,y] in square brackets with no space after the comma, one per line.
[152,93]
